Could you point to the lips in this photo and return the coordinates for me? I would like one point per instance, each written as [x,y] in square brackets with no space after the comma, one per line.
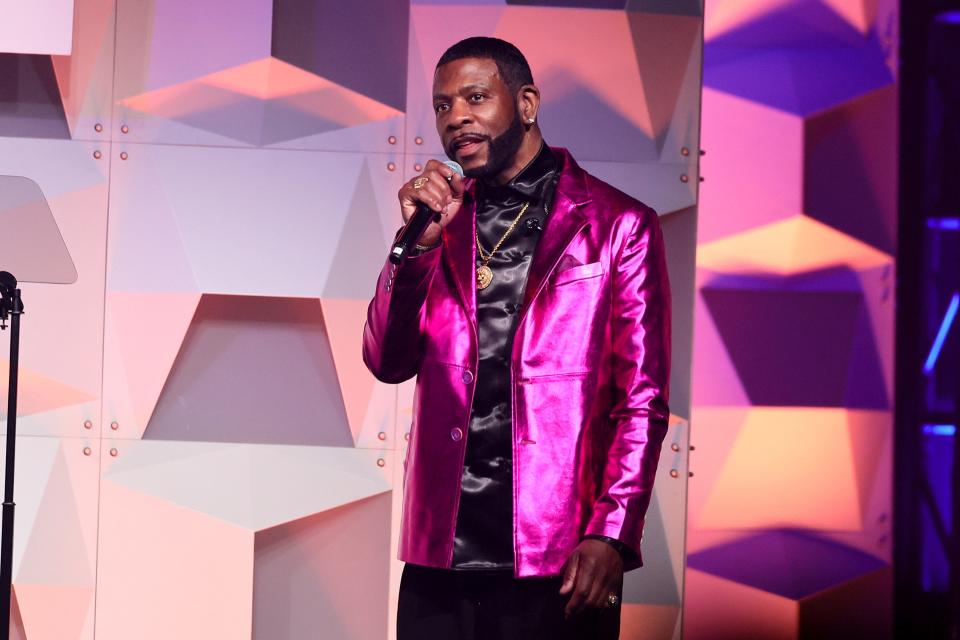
[467,144]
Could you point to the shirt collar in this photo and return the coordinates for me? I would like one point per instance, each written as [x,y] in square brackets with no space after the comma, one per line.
[530,184]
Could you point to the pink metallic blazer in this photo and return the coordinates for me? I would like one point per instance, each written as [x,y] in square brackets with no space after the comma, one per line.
[590,369]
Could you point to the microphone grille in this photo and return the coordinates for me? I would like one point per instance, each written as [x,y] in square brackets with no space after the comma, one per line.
[455,166]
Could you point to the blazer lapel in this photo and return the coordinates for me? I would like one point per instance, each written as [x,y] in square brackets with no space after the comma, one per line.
[459,251]
[565,221]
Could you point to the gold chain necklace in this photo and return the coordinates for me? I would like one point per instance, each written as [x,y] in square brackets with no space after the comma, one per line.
[485,273]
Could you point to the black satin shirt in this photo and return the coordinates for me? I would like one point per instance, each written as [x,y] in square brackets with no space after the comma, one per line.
[484,534]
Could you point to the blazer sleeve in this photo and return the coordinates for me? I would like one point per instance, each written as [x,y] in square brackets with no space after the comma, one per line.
[393,333]
[640,368]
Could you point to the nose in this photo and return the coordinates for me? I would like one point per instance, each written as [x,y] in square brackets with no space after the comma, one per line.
[459,113]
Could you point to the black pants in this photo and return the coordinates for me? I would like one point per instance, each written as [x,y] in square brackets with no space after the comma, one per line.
[442,604]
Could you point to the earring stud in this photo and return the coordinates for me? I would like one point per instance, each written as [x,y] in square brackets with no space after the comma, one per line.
[530,120]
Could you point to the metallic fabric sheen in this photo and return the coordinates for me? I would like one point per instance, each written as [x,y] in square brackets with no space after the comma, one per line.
[589,371]
[484,532]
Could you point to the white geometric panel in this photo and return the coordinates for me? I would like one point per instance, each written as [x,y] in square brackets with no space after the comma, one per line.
[660,580]
[664,186]
[313,574]
[85,74]
[157,557]
[220,533]
[253,369]
[55,536]
[143,335]
[281,483]
[370,405]
[62,327]
[251,222]
[42,26]
[185,75]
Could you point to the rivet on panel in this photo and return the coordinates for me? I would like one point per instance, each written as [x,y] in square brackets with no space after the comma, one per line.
[98,127]
[685,151]
[418,167]
[87,424]
[381,462]
[114,453]
[391,166]
[406,436]
[97,155]
[692,448]
[382,435]
[124,129]
[418,140]
[702,178]
[703,152]
[684,178]
[675,447]
[690,474]
[392,139]
[673,473]
[87,451]
[114,425]
[123,155]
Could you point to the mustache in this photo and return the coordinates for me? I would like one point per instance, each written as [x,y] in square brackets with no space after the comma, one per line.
[452,145]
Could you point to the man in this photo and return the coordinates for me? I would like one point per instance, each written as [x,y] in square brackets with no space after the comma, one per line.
[542,369]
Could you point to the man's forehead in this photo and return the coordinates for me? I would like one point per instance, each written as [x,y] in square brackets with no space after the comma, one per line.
[465,71]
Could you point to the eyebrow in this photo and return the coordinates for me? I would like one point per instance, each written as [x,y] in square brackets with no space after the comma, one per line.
[467,89]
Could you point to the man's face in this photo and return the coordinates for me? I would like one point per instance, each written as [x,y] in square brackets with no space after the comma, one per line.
[477,116]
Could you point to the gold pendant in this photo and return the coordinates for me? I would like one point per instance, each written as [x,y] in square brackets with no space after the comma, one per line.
[484,276]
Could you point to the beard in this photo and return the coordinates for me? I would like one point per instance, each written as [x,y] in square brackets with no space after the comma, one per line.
[501,151]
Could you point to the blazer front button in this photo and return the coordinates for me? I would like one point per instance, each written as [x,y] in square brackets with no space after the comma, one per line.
[456,434]
[467,377]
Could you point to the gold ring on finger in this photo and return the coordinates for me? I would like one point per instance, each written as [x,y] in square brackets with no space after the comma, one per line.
[419,182]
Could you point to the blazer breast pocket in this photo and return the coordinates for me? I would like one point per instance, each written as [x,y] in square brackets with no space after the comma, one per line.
[577,273]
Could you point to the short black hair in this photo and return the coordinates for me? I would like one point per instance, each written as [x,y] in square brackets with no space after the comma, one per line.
[510,62]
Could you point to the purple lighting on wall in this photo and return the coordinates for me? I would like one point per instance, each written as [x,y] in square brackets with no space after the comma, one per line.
[948,319]
[948,430]
[949,17]
[944,224]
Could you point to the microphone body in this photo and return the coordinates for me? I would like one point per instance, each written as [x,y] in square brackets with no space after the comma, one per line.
[416,225]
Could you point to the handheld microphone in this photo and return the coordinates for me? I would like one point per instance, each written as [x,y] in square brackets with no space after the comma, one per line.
[417,224]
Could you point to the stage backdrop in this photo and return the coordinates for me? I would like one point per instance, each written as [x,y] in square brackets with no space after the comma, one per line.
[790,515]
[203,454]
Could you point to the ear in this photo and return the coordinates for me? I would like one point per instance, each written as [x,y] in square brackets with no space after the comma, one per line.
[528,104]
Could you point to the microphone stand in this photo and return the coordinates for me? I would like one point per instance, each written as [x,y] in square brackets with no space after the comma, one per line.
[10,307]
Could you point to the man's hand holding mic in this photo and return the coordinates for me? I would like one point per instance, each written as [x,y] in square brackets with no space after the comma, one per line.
[440,190]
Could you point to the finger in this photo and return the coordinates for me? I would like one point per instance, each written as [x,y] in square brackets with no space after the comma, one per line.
[570,573]
[456,186]
[439,182]
[430,195]
[582,589]
[600,591]
[451,177]
[433,183]
[440,167]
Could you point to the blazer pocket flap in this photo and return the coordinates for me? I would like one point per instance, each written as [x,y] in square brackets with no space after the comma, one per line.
[578,273]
